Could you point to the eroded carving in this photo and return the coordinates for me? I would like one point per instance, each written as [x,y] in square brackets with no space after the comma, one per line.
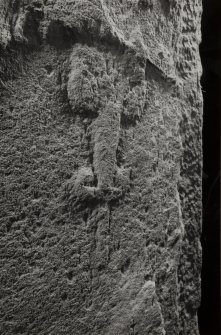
[109,97]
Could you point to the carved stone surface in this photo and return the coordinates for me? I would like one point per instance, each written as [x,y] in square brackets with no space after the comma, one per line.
[101,119]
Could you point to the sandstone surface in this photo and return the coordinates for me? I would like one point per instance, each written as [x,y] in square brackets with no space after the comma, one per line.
[100,146]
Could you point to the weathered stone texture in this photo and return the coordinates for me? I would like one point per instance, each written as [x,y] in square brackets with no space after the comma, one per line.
[101,116]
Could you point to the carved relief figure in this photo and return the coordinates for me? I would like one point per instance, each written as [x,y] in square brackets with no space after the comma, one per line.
[99,91]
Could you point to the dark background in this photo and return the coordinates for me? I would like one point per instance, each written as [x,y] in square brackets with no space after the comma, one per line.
[210,49]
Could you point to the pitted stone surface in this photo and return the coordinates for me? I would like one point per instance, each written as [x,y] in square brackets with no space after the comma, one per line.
[101,120]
